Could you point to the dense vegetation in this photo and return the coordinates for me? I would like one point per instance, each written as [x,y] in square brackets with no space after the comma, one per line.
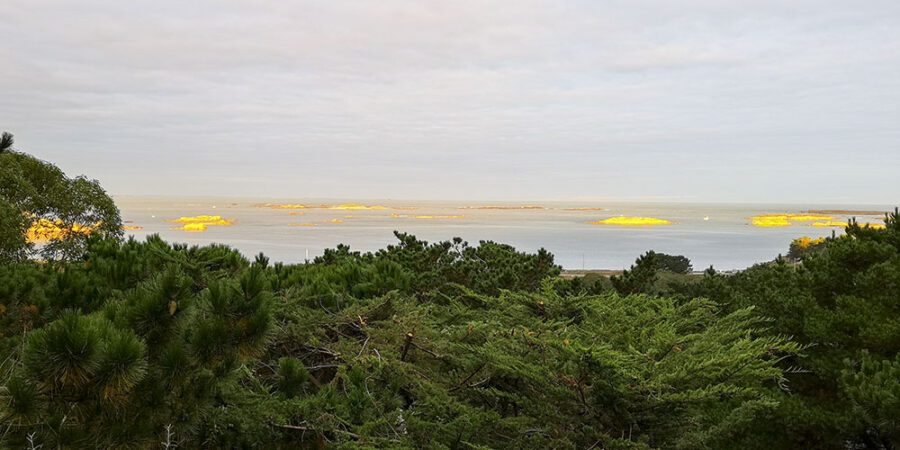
[804,246]
[144,341]
[842,303]
[127,344]
[418,345]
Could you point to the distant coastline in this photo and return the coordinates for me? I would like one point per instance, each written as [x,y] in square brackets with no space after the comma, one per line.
[847,212]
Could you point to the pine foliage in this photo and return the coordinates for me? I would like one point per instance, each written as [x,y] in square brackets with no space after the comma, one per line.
[842,304]
[149,348]
[418,345]
[640,278]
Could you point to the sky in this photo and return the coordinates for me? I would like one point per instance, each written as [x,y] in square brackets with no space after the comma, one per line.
[692,100]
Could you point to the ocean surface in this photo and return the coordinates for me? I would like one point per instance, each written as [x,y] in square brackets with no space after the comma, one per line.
[709,234]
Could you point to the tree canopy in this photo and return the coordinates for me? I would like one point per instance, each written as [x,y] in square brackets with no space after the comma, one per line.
[673,263]
[60,213]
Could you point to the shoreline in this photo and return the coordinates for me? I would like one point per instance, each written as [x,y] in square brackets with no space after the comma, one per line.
[576,273]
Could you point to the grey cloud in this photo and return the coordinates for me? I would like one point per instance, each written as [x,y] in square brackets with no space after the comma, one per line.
[695,99]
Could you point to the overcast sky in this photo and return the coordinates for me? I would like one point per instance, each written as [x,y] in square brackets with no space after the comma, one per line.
[701,100]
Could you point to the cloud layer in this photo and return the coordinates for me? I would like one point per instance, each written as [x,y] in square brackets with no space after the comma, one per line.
[691,100]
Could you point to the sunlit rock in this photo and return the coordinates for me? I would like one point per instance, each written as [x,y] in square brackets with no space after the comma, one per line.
[769,222]
[195,227]
[355,206]
[828,223]
[785,220]
[633,221]
[200,223]
[205,220]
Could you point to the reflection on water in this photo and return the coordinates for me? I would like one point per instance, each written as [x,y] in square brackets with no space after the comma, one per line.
[709,234]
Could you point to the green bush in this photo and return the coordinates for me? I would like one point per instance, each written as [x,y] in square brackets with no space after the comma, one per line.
[841,303]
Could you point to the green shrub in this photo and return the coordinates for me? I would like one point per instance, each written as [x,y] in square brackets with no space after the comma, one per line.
[841,303]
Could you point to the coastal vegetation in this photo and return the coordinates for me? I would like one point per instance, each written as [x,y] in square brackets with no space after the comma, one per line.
[417,345]
[444,345]
[116,343]
[804,246]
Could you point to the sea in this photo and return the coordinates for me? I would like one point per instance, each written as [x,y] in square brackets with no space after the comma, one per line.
[717,235]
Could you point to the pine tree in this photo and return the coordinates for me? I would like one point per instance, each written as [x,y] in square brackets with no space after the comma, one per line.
[641,278]
[154,358]
[6,142]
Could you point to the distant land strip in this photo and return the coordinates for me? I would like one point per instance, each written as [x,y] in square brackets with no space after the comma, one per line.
[845,212]
[501,207]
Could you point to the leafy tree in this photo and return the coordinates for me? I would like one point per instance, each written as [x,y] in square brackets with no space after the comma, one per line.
[805,246]
[675,264]
[13,225]
[43,194]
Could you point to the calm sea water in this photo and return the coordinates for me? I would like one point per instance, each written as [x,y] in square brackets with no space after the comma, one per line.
[708,234]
